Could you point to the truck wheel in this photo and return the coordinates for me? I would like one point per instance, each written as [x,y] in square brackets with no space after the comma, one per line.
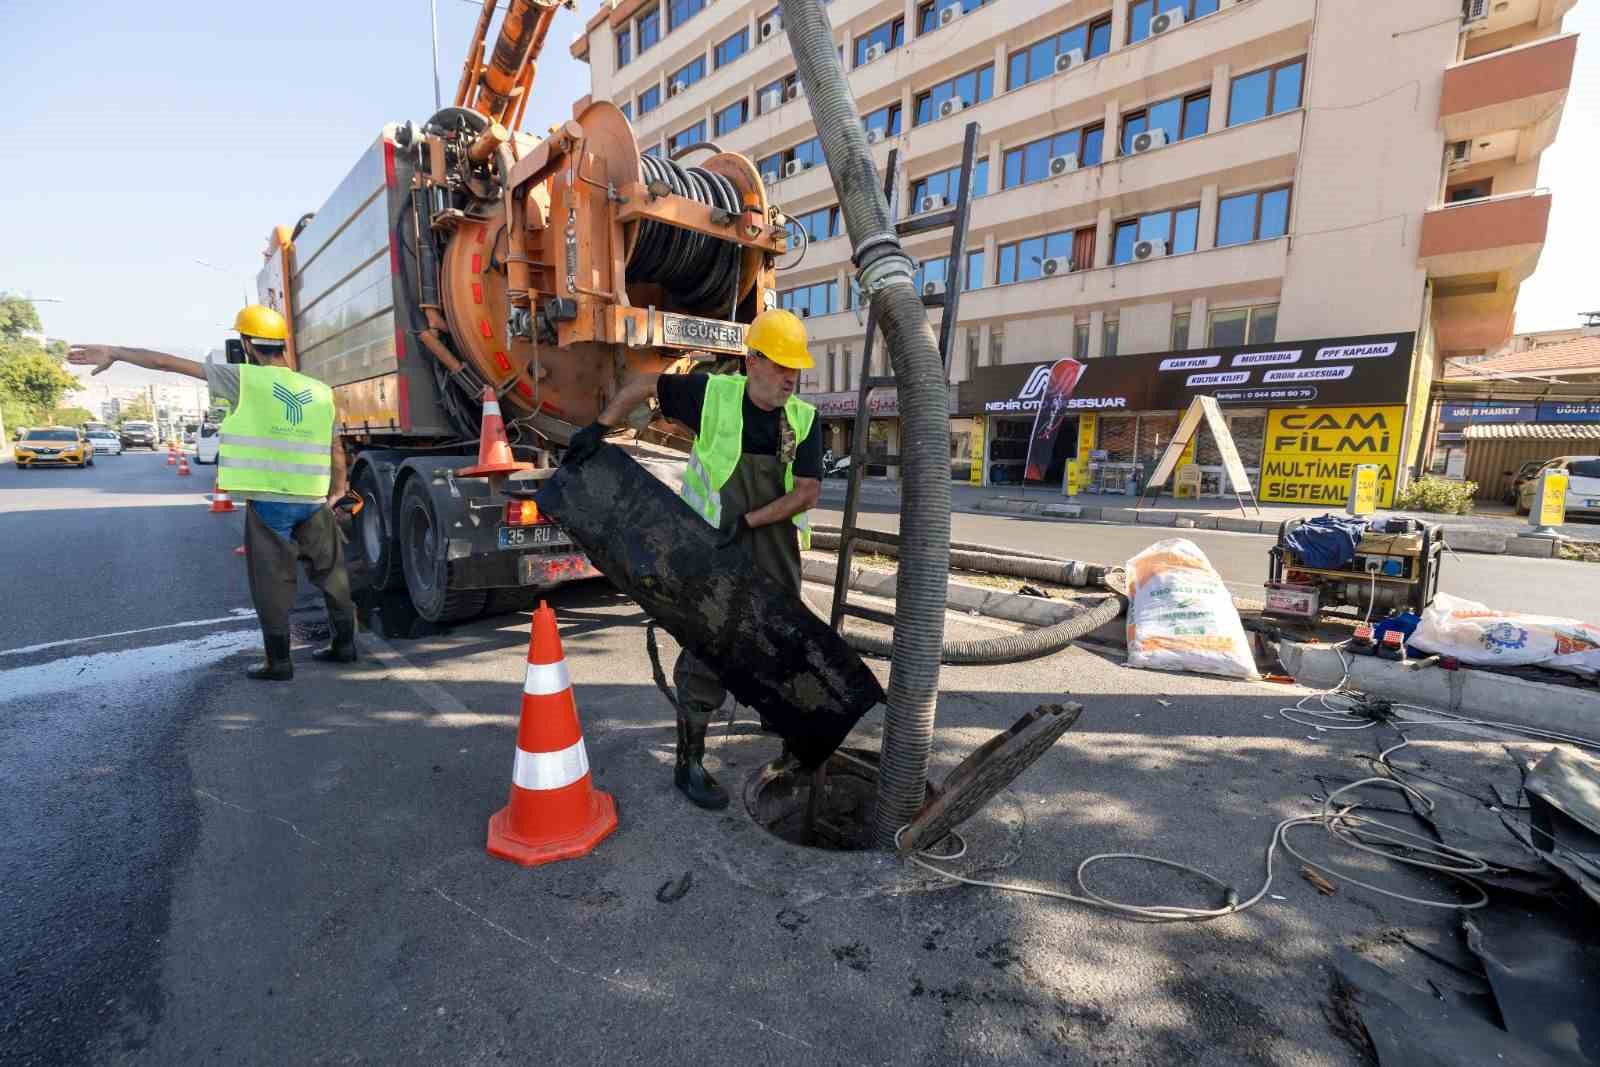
[513,598]
[427,576]
[372,540]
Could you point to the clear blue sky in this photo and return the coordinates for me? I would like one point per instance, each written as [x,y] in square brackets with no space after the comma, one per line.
[142,137]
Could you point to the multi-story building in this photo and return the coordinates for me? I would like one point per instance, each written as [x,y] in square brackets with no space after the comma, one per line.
[1318,182]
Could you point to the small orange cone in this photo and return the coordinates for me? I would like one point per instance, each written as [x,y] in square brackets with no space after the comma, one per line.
[239,551]
[172,458]
[183,465]
[554,812]
[221,501]
[494,451]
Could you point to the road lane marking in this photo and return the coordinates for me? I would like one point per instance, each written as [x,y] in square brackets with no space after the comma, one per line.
[238,615]
[117,673]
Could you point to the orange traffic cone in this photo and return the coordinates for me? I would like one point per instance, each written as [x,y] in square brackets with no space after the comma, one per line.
[172,458]
[554,812]
[494,451]
[183,465]
[239,551]
[221,501]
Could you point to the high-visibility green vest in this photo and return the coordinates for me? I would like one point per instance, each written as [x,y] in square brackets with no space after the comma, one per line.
[275,443]
[720,443]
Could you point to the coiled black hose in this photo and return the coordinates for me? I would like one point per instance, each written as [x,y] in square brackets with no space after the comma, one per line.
[698,272]
[1029,644]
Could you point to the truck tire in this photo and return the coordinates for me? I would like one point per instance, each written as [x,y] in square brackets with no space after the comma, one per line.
[373,543]
[427,576]
[514,598]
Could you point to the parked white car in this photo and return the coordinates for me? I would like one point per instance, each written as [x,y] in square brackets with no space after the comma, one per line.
[207,442]
[105,442]
[1583,485]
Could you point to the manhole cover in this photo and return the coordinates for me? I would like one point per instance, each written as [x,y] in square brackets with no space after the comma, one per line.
[987,771]
[778,797]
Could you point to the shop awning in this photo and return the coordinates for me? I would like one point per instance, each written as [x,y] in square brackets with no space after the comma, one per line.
[1535,431]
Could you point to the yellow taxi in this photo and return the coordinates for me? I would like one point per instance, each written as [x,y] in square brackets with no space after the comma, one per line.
[60,445]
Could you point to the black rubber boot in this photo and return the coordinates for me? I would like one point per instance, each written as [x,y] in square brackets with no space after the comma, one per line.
[690,774]
[343,648]
[278,666]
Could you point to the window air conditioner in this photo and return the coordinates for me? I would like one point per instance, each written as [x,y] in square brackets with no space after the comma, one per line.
[932,288]
[1458,153]
[951,106]
[803,312]
[1072,57]
[771,101]
[1055,265]
[932,202]
[874,52]
[874,136]
[675,88]
[1148,140]
[770,178]
[949,14]
[1474,10]
[795,166]
[1166,21]
[1149,249]
[794,90]
[1066,164]
[770,28]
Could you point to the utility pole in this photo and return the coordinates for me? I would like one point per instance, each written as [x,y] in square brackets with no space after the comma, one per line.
[433,14]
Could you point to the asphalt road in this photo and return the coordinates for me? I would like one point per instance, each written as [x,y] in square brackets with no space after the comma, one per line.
[1540,586]
[198,868]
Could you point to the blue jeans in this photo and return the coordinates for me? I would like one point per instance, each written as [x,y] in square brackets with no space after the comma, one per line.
[282,518]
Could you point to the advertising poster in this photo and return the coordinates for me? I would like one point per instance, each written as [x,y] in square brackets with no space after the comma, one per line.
[1311,453]
[1054,404]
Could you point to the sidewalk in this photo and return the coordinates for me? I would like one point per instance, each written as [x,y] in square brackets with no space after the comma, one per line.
[1492,527]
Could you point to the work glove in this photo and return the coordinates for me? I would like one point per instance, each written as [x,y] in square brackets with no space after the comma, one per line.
[731,531]
[586,442]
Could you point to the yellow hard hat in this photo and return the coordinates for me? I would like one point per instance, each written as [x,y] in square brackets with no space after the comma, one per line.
[781,337]
[261,322]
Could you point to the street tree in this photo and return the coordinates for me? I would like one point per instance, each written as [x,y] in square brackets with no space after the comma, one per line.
[33,374]
[138,409]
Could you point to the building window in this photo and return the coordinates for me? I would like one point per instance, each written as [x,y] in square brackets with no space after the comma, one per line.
[1080,340]
[1023,261]
[775,94]
[649,29]
[684,138]
[886,119]
[819,225]
[624,48]
[810,152]
[1180,331]
[1178,228]
[649,100]
[688,74]
[1252,217]
[809,301]
[972,278]
[1181,117]
[973,87]
[931,270]
[732,48]
[732,117]
[1031,162]
[944,184]
[653,150]
[997,345]
[681,11]
[1140,12]
[972,350]
[1037,61]
[1266,92]
[1108,337]
[928,12]
[888,37]
[626,109]
[1242,326]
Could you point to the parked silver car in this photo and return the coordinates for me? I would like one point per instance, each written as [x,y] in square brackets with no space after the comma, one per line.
[1583,485]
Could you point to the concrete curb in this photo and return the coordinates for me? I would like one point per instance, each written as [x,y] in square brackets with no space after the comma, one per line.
[1458,538]
[1012,607]
[1464,692]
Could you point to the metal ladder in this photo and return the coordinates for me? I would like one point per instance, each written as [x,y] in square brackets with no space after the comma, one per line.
[955,218]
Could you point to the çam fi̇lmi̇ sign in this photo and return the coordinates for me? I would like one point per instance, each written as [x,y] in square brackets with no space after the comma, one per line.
[1311,452]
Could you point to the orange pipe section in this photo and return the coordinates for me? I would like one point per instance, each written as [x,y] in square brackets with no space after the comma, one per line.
[469,70]
[513,50]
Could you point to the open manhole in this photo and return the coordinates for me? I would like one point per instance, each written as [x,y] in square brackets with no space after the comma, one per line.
[779,795]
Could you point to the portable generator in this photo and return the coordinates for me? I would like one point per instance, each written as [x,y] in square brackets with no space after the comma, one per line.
[1395,568]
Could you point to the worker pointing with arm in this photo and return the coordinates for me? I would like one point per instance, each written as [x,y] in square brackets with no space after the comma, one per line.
[279,453]
[754,473]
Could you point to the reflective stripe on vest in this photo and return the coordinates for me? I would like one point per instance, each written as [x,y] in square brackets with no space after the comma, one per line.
[720,443]
[276,440]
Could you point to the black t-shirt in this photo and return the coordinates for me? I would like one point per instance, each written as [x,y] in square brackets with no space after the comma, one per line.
[683,396]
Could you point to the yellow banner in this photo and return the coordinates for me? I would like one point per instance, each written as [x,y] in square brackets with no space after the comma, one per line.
[977,450]
[1311,453]
[1078,469]
[1364,490]
[1552,502]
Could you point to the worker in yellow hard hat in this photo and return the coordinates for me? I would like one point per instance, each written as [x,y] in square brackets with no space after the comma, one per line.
[754,473]
[279,453]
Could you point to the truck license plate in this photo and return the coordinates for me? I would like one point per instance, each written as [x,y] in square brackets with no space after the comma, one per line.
[533,536]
